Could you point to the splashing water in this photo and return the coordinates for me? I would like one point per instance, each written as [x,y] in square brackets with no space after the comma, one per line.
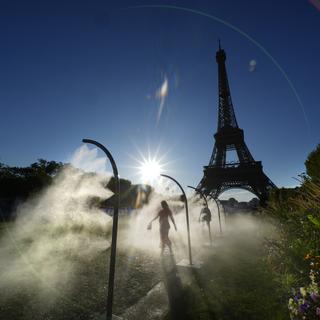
[56,226]
[58,236]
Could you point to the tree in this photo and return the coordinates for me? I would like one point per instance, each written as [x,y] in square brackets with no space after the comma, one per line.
[313,165]
[49,167]
[232,202]
[19,183]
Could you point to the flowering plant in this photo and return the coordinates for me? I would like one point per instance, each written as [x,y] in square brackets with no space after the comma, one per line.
[305,303]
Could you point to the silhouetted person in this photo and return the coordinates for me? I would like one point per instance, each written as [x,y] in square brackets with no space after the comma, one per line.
[205,215]
[163,216]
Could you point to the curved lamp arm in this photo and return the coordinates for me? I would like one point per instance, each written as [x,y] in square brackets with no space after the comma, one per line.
[109,155]
[114,226]
[201,193]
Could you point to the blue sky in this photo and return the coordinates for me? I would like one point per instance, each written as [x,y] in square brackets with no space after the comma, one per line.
[76,69]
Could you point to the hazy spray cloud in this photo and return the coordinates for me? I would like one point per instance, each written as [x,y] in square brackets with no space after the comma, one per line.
[240,226]
[88,160]
[161,95]
[54,229]
[138,237]
[58,231]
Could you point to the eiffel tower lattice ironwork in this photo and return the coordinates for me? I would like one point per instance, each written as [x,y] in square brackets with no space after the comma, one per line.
[246,173]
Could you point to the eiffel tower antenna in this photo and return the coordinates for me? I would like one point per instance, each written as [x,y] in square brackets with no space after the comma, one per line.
[220,174]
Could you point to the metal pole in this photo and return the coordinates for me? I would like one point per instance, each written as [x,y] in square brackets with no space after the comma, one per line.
[187,214]
[205,199]
[217,204]
[224,212]
[114,226]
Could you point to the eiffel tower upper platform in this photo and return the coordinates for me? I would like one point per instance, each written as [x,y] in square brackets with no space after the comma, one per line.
[245,173]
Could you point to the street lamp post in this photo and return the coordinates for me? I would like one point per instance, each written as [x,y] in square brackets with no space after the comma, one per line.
[114,226]
[205,200]
[187,213]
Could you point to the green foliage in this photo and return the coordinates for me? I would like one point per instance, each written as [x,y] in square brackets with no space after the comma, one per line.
[296,213]
[48,167]
[20,182]
[315,221]
[313,164]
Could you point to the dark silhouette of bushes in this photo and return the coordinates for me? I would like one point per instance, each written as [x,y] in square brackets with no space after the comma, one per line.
[17,184]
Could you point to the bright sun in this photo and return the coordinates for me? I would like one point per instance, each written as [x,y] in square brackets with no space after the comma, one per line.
[150,170]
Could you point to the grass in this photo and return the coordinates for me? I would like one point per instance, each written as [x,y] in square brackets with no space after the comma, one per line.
[83,295]
[234,283]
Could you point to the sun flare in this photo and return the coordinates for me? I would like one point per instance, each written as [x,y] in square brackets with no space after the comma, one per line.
[150,170]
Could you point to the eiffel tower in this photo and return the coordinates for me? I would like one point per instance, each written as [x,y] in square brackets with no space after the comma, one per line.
[245,173]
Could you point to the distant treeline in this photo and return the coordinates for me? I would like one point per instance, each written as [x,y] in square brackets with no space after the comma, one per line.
[17,184]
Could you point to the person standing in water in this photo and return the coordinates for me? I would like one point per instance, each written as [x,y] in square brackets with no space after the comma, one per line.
[164,214]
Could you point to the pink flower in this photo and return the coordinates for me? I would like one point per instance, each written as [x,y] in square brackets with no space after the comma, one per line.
[318,311]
